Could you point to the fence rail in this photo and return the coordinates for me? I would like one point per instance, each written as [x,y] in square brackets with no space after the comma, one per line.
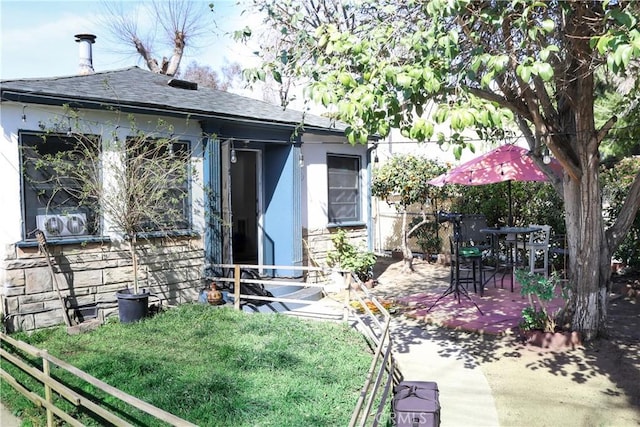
[237,279]
[51,385]
[381,377]
[383,374]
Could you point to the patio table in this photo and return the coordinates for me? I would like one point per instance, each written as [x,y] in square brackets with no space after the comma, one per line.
[510,243]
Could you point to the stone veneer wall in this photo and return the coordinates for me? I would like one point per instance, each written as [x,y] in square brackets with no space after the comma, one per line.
[91,274]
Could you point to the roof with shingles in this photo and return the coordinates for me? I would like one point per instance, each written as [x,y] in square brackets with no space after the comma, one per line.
[136,88]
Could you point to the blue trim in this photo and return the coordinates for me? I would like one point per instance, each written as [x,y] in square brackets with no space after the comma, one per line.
[280,209]
[370,224]
[213,202]
[170,233]
[297,256]
[105,239]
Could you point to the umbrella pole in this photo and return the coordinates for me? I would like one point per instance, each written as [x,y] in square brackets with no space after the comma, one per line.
[510,219]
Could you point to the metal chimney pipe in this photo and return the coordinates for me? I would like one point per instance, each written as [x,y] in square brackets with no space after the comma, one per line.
[86,55]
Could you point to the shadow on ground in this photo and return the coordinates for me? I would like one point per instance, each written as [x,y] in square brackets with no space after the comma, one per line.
[611,364]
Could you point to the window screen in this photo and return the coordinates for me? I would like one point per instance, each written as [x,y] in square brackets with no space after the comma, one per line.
[344,188]
[164,166]
[50,197]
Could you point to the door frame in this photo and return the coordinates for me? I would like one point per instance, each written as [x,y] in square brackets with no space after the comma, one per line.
[259,202]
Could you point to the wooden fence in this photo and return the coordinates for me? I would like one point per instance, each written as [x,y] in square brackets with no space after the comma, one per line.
[383,375]
[372,319]
[52,385]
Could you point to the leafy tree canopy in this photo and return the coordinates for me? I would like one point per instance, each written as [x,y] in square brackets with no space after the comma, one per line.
[403,180]
[380,63]
[485,64]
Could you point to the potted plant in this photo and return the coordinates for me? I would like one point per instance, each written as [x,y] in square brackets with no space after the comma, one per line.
[137,185]
[539,290]
[539,324]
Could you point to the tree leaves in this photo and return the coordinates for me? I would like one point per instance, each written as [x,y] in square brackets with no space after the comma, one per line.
[403,179]
[480,64]
[622,43]
[379,69]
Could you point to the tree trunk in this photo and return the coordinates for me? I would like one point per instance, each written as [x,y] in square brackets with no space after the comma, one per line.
[134,260]
[171,68]
[579,142]
[407,255]
[588,259]
[589,256]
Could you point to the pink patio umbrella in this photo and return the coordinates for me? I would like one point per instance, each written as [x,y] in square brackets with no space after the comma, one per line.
[505,163]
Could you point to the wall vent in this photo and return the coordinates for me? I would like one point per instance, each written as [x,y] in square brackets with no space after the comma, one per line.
[183,84]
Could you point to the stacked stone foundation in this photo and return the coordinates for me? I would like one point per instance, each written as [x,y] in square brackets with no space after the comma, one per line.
[90,275]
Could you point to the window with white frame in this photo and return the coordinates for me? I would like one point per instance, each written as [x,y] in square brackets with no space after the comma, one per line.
[344,188]
[50,196]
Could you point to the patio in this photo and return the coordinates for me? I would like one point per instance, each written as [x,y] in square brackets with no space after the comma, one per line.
[415,293]
[501,308]
[597,383]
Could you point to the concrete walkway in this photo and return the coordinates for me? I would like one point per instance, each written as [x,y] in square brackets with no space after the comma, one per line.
[426,353]
[7,419]
[423,355]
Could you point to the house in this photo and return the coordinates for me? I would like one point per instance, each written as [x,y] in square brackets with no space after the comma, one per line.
[268,187]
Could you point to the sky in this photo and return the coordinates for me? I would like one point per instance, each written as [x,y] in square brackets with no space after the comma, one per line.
[37,37]
[37,41]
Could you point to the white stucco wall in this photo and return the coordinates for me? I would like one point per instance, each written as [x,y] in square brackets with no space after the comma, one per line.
[94,122]
[315,178]
[172,269]
[91,122]
[10,214]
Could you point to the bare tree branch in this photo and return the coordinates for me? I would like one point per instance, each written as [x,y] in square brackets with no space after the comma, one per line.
[179,20]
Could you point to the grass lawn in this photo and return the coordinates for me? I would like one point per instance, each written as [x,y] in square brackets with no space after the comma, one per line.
[214,367]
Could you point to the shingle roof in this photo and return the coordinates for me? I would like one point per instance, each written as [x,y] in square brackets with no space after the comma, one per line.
[136,88]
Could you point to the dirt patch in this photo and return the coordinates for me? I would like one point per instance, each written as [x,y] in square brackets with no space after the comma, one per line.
[595,384]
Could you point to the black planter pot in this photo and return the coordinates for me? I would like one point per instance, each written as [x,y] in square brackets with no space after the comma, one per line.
[132,307]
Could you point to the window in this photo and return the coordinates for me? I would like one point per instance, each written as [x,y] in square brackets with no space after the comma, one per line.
[160,193]
[68,185]
[50,194]
[344,188]
[177,201]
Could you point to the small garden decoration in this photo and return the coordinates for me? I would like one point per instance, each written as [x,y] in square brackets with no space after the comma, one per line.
[390,306]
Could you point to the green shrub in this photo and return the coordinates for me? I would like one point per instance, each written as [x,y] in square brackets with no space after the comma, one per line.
[426,236]
[616,181]
[537,315]
[347,257]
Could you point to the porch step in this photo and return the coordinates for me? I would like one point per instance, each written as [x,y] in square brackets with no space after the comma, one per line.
[308,294]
